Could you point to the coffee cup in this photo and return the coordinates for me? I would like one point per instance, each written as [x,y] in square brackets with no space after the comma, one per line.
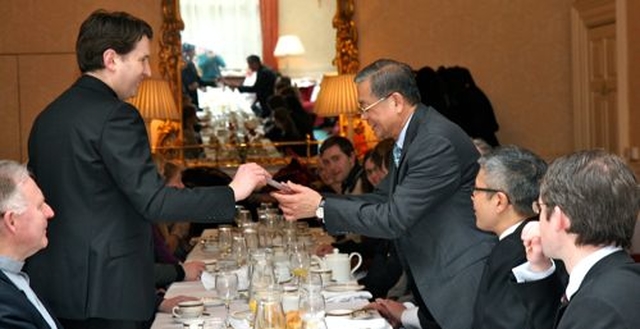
[325,274]
[188,309]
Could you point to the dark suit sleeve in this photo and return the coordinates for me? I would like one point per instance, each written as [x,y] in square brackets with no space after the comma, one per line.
[541,300]
[433,175]
[16,312]
[124,148]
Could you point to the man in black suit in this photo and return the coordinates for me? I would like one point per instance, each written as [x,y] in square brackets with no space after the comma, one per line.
[588,206]
[506,186]
[90,154]
[424,203]
[264,87]
[23,232]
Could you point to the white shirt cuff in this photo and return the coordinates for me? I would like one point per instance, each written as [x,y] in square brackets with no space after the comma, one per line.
[524,273]
[409,317]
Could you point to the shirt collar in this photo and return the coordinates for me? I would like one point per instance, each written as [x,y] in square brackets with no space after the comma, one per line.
[403,133]
[582,268]
[509,230]
[10,265]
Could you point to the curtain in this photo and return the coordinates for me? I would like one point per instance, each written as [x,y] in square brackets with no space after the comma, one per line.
[269,16]
[231,29]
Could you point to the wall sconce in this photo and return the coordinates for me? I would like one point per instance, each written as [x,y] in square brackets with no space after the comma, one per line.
[338,96]
[157,106]
[287,46]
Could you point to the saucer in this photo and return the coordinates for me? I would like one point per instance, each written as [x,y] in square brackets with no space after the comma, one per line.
[198,319]
[241,315]
[211,301]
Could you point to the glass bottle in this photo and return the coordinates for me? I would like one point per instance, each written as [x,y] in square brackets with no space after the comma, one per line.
[270,314]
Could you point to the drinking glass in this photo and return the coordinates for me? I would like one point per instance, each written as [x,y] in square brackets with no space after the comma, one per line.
[227,289]
[225,238]
[312,306]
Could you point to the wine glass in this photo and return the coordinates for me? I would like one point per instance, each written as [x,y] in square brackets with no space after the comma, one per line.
[312,306]
[227,289]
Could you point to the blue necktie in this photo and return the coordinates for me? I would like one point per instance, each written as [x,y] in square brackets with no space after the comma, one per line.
[397,152]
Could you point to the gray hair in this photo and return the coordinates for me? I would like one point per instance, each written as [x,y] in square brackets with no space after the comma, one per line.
[12,174]
[517,172]
[389,76]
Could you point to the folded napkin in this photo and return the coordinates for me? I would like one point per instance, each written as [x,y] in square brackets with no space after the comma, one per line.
[346,296]
[209,280]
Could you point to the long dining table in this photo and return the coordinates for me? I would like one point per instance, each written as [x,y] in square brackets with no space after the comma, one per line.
[337,303]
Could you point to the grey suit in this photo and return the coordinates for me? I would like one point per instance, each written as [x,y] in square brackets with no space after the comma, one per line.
[90,155]
[425,205]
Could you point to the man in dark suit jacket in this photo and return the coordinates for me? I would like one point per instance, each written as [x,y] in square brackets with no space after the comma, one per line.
[506,186]
[264,87]
[90,153]
[588,205]
[424,203]
[23,231]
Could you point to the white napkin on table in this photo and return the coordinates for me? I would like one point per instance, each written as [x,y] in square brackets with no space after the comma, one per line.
[346,296]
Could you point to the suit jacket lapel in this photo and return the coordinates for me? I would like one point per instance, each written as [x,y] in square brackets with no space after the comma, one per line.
[415,124]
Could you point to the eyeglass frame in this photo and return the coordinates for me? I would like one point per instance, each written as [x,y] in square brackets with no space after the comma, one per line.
[364,110]
[535,206]
[492,190]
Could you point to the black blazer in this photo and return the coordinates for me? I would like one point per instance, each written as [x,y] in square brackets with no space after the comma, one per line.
[90,155]
[16,311]
[425,206]
[608,298]
[504,303]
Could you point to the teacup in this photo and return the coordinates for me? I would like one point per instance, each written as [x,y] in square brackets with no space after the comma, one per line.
[188,309]
[325,274]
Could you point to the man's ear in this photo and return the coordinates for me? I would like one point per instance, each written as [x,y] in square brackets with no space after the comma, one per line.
[503,201]
[559,220]
[110,58]
[9,221]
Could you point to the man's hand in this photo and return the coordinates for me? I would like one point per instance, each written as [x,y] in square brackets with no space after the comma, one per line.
[249,177]
[300,202]
[193,270]
[538,262]
[390,310]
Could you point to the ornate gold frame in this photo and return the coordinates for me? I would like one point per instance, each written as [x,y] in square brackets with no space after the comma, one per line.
[346,60]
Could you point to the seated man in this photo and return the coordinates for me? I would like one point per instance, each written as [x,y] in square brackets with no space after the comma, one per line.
[23,232]
[505,186]
[588,208]
[338,158]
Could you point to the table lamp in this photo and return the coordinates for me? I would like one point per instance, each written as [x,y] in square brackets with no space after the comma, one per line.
[287,46]
[338,97]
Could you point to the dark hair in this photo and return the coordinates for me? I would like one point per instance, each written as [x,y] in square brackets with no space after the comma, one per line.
[381,153]
[388,76]
[599,194]
[104,30]
[344,144]
[517,172]
[254,59]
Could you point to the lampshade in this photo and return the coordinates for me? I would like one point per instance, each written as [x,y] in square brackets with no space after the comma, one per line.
[288,45]
[338,95]
[155,100]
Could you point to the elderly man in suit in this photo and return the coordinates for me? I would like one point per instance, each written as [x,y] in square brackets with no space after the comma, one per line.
[90,154]
[588,206]
[424,203]
[23,232]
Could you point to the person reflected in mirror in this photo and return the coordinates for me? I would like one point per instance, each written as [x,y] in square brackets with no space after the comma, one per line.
[263,87]
[211,65]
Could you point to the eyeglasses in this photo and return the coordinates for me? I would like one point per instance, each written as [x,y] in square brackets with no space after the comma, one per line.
[363,110]
[535,206]
[492,190]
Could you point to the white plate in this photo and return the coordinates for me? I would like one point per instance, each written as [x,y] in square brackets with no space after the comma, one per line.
[241,315]
[344,287]
[199,319]
[211,301]
[340,312]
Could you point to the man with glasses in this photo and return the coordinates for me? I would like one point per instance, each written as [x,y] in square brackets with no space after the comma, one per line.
[588,206]
[506,185]
[424,203]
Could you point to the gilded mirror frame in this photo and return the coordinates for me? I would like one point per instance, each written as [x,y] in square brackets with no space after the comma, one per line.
[345,60]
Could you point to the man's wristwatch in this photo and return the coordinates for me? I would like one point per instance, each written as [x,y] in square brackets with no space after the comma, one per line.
[320,210]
